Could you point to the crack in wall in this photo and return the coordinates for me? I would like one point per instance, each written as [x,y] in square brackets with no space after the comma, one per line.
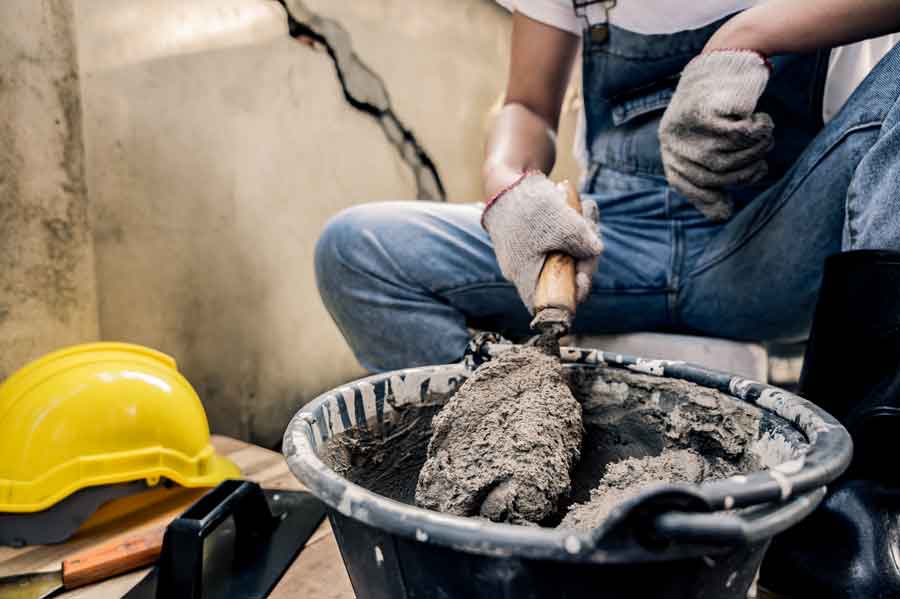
[365,91]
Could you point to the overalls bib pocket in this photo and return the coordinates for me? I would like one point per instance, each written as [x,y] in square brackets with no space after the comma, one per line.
[628,81]
[634,108]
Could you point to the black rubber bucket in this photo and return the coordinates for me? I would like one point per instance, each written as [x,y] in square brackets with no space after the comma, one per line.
[670,541]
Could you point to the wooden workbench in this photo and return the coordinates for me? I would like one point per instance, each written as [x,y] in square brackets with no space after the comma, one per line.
[318,573]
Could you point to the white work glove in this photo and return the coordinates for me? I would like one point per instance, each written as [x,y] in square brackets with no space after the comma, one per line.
[710,137]
[531,219]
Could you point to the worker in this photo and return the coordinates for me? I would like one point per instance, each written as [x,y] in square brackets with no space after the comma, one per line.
[729,147]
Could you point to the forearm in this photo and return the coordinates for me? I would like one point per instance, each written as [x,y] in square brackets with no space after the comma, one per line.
[523,136]
[789,26]
[519,141]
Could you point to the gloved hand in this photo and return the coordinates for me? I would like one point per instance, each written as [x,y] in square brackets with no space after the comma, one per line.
[710,136]
[531,219]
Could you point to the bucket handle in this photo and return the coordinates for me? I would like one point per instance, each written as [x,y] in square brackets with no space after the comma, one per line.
[731,529]
[678,515]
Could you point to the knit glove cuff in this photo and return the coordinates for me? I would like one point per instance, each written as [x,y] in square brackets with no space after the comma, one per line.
[529,220]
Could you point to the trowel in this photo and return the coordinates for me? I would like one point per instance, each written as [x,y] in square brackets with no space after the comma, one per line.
[515,394]
[90,566]
[554,297]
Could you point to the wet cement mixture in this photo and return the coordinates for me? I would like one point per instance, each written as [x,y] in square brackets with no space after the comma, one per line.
[638,430]
[628,477]
[504,446]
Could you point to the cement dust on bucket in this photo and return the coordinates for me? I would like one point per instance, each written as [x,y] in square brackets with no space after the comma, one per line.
[505,445]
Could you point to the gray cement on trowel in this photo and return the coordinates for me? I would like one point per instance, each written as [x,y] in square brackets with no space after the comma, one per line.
[504,446]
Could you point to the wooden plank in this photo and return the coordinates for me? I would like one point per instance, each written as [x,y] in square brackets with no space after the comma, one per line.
[227,445]
[49,557]
[318,573]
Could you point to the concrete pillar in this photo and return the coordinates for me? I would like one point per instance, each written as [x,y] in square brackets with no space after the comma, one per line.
[47,283]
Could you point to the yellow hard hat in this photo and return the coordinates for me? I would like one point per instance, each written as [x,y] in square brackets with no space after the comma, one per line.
[100,414]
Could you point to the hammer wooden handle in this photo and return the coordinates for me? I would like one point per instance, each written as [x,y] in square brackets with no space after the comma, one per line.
[556,283]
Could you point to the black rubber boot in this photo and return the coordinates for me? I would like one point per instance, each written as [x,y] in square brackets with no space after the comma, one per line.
[850,546]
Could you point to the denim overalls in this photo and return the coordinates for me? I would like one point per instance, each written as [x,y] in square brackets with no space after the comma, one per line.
[404,280]
[653,234]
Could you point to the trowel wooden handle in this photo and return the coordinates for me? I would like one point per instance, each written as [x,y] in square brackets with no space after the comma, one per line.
[114,558]
[556,283]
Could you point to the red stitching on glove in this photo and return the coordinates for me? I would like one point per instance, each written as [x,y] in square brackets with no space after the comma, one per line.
[761,56]
[497,195]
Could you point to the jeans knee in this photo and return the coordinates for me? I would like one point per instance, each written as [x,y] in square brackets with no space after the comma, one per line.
[348,245]
[330,247]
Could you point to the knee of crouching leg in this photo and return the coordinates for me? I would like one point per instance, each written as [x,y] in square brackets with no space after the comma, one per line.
[333,237]
[341,242]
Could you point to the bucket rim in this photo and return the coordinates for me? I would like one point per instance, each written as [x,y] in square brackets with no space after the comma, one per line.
[795,486]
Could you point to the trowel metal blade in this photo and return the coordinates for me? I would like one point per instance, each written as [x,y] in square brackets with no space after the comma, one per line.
[35,585]
[546,342]
[551,324]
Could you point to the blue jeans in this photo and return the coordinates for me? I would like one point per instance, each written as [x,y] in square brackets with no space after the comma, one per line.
[404,280]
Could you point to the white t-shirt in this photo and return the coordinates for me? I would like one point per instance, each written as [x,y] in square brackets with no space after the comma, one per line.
[847,67]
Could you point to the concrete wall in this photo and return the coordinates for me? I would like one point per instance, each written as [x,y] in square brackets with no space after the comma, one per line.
[214,150]
[47,289]
[217,147]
